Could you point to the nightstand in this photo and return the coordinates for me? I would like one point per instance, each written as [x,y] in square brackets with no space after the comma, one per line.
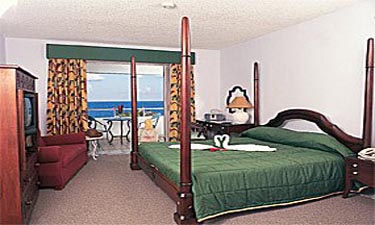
[359,170]
[211,128]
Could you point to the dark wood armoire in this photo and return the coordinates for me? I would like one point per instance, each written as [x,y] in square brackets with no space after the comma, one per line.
[18,144]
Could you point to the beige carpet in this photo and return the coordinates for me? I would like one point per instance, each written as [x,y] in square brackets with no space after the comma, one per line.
[114,148]
[106,191]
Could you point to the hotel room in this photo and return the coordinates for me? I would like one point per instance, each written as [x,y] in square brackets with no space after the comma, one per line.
[252,84]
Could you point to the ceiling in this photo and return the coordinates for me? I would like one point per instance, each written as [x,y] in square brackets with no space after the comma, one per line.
[215,24]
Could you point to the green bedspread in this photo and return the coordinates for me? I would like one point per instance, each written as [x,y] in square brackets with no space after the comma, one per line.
[229,181]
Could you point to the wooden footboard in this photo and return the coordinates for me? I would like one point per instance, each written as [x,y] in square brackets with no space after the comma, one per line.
[168,187]
[158,178]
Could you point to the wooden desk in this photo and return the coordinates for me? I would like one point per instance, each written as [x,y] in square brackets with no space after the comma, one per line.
[360,170]
[211,128]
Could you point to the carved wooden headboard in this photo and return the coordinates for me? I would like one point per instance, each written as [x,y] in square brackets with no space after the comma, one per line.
[354,143]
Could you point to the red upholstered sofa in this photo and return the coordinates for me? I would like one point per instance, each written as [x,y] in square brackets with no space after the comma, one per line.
[60,158]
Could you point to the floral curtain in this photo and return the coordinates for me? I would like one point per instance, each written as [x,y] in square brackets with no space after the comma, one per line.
[174,104]
[66,96]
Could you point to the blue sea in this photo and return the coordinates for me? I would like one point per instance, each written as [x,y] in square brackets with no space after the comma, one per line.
[102,109]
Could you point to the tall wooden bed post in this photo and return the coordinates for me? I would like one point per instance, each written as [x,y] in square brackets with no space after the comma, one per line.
[134,151]
[256,94]
[185,213]
[369,92]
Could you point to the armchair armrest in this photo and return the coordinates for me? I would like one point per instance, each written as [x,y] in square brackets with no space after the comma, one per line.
[65,139]
[49,154]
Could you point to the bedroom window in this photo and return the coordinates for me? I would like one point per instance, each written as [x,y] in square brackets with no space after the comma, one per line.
[108,86]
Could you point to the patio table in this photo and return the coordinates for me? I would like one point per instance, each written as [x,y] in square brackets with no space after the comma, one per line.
[122,120]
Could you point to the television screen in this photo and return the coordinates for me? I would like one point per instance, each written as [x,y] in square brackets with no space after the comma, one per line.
[30,120]
[28,112]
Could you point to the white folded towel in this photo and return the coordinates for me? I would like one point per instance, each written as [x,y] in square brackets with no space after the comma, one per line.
[250,148]
[222,141]
[193,146]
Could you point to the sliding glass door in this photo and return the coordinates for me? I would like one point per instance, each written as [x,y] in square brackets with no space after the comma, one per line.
[108,89]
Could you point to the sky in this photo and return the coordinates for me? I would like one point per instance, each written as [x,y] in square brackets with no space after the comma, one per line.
[116,87]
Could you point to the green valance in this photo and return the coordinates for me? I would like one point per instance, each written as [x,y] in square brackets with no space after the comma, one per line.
[113,54]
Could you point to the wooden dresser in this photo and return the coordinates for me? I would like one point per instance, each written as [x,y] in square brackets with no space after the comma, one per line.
[18,144]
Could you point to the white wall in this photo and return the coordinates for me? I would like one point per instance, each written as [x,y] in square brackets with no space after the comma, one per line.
[31,54]
[2,49]
[317,65]
[207,81]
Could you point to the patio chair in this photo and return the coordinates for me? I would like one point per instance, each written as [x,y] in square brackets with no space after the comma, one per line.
[99,126]
[155,121]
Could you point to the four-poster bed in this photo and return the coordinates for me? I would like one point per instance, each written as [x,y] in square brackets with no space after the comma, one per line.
[305,166]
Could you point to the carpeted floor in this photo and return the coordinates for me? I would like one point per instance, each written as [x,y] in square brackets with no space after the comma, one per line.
[115,147]
[106,191]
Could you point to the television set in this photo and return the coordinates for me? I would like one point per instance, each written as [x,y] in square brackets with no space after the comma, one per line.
[30,111]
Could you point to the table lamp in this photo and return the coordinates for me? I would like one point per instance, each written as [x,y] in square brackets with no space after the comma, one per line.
[239,104]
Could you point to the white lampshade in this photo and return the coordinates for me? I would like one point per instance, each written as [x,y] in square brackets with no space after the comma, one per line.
[240,103]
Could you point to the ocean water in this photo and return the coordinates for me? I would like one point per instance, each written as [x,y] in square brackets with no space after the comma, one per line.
[102,109]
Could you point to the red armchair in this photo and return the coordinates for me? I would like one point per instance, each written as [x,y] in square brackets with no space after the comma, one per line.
[60,158]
